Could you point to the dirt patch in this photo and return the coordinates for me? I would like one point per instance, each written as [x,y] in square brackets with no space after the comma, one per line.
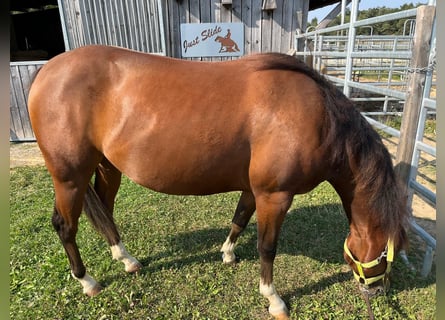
[426,177]
[25,154]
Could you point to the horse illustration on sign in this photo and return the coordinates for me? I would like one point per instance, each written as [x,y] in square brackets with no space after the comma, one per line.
[227,44]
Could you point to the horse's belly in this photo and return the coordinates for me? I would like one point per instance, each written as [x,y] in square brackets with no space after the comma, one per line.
[186,170]
[171,181]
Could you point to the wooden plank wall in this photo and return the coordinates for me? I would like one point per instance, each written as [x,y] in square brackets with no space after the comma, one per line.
[264,31]
[20,77]
[134,24]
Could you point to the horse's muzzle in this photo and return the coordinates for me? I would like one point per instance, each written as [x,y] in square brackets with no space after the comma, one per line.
[378,288]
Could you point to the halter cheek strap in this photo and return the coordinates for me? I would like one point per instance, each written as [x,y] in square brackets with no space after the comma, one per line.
[360,276]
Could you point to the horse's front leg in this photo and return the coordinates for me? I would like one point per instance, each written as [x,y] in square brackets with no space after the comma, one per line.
[271,210]
[243,213]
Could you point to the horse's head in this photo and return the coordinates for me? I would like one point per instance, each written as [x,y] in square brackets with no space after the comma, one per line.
[371,259]
[372,275]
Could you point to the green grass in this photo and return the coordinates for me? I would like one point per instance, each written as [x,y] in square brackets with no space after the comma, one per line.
[178,240]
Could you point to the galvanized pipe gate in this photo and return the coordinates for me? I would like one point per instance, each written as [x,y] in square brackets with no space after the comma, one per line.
[415,61]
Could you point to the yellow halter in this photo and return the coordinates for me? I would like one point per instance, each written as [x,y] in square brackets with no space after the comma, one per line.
[360,277]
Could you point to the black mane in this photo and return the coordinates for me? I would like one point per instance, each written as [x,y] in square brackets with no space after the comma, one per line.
[355,137]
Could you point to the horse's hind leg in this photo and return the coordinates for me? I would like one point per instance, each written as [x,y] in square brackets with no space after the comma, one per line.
[243,213]
[68,207]
[99,205]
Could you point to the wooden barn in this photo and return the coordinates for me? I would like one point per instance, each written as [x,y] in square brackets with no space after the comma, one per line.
[41,29]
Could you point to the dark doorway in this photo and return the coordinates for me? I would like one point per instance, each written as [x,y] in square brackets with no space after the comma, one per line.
[36,30]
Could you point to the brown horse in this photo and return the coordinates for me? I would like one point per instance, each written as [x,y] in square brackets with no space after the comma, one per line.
[279,130]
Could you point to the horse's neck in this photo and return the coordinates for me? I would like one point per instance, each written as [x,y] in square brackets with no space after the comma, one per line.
[355,203]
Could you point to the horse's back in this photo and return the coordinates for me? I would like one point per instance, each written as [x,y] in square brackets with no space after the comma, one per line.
[172,125]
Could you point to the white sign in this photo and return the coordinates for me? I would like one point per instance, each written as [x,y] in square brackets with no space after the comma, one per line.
[212,39]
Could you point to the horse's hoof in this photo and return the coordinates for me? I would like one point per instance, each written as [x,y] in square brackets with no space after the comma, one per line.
[230,260]
[282,316]
[94,291]
[280,312]
[134,267]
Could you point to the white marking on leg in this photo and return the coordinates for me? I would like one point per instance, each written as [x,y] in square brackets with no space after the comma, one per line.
[227,250]
[119,253]
[89,285]
[277,305]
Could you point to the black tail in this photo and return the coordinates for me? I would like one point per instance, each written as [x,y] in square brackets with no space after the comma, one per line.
[100,216]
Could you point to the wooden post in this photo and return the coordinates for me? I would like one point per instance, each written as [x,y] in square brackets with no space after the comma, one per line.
[269,5]
[415,85]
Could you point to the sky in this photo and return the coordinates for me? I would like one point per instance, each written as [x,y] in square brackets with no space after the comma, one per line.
[364,4]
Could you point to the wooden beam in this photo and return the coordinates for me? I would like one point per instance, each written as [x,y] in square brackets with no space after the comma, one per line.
[269,5]
[331,16]
[415,86]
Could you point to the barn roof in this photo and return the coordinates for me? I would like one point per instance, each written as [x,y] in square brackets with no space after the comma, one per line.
[315,4]
[22,4]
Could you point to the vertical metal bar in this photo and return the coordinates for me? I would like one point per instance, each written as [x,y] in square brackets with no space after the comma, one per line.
[391,66]
[80,30]
[107,9]
[62,20]
[153,29]
[427,261]
[114,22]
[304,50]
[145,16]
[125,38]
[134,28]
[404,257]
[128,21]
[117,23]
[416,153]
[95,23]
[138,25]
[156,15]
[320,49]
[86,29]
[350,47]
[143,20]
[104,30]
[314,58]
[161,28]
[343,12]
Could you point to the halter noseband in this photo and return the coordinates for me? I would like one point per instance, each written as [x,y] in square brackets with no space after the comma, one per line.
[360,277]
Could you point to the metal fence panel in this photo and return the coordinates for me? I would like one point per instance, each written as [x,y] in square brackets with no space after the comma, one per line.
[344,58]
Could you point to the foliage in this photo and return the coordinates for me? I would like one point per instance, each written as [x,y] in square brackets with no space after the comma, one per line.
[178,239]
